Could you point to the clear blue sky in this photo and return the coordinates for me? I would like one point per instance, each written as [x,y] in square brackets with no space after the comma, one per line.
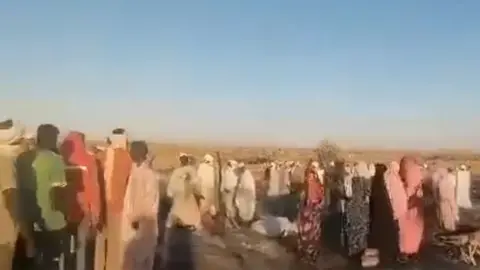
[385,73]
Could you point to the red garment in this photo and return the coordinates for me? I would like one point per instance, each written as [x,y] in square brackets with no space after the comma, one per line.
[83,183]
[314,186]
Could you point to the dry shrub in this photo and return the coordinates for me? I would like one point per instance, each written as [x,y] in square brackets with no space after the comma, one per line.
[327,151]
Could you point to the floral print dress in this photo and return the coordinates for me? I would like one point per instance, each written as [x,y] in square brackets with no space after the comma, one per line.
[309,223]
[357,214]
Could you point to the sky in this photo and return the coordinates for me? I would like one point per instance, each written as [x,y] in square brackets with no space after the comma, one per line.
[278,72]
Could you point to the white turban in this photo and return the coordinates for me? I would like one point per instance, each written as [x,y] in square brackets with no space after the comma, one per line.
[208,158]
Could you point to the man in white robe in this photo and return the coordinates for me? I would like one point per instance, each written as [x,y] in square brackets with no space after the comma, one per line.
[229,183]
[296,174]
[463,187]
[206,184]
[274,185]
[141,206]
[181,189]
[245,197]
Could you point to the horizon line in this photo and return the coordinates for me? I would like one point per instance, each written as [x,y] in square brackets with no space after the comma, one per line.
[260,145]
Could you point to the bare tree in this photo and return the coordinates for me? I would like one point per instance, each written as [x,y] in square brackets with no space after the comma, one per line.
[327,151]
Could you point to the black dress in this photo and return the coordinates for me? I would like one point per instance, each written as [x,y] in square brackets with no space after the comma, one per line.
[383,234]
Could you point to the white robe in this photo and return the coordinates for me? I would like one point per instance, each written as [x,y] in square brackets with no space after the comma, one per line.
[229,182]
[274,183]
[206,184]
[463,189]
[245,199]
[452,179]
[141,201]
[181,188]
[447,206]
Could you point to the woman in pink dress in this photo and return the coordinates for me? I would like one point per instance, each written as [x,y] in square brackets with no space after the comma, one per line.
[411,220]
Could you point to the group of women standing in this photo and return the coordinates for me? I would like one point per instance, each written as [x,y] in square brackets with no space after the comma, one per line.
[383,212]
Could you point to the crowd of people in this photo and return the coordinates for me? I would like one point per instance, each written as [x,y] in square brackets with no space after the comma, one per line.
[380,215]
[57,197]
[60,198]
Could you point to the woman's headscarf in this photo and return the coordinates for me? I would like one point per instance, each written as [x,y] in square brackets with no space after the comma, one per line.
[396,190]
[314,187]
[411,174]
[320,172]
[394,166]
[380,169]
[74,151]
[361,170]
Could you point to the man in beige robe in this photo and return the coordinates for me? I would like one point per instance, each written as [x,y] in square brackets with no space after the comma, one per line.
[10,139]
[182,188]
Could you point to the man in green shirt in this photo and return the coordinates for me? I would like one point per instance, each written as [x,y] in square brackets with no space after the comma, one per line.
[49,225]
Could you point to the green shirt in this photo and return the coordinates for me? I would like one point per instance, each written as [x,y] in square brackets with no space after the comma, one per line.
[49,171]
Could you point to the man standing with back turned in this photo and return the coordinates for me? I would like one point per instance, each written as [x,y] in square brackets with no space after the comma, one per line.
[118,164]
[48,216]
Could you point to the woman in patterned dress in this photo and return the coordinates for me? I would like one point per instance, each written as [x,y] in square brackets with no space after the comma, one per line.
[309,223]
[357,210]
